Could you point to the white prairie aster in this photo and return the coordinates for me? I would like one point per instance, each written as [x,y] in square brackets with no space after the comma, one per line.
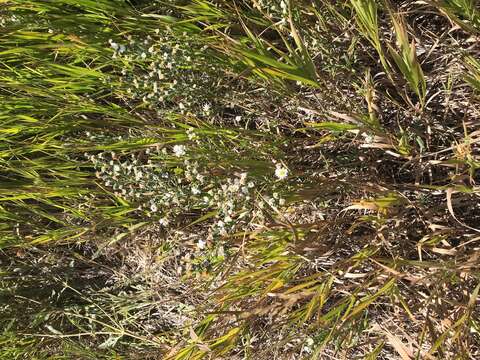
[281,172]
[179,150]
[114,45]
[201,244]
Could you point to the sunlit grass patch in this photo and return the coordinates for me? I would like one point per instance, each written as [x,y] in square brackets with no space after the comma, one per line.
[239,179]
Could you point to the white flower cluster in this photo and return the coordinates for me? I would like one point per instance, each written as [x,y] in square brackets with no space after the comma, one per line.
[8,20]
[169,71]
[273,8]
[163,184]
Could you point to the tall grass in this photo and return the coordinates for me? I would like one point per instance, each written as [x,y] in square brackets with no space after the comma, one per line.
[238,179]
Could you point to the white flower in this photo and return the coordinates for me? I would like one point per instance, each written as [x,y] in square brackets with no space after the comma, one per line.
[201,244]
[179,150]
[281,172]
[368,138]
[164,221]
[243,178]
[308,346]
[153,207]
[195,191]
[206,107]
[191,134]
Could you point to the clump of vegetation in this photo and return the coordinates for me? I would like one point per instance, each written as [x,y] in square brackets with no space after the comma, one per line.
[239,179]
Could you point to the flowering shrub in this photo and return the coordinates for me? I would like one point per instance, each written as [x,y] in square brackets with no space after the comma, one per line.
[167,184]
[168,71]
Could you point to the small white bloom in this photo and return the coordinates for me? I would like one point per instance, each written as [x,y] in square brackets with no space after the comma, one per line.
[243,178]
[195,191]
[179,150]
[281,173]
[191,134]
[201,244]
[164,221]
[153,207]
[368,138]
